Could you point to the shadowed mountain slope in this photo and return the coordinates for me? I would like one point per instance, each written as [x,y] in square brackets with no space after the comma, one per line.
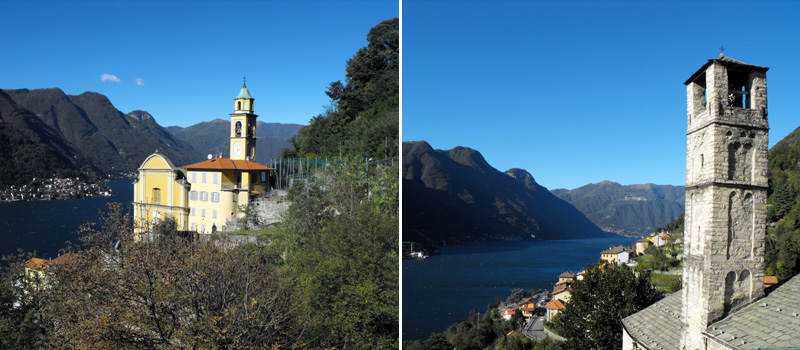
[31,149]
[109,139]
[456,196]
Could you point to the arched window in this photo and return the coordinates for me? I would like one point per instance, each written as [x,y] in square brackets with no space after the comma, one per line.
[238,129]
[239,105]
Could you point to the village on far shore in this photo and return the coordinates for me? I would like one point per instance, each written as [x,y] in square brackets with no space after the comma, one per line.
[55,188]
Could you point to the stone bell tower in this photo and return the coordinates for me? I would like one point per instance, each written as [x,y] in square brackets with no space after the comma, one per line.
[726,193]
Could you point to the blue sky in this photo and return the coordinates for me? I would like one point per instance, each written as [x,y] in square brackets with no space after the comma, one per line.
[183,61]
[579,92]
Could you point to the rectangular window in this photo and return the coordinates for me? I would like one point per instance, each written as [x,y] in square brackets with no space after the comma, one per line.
[193,195]
[214,214]
[204,196]
[216,178]
[194,226]
[193,212]
[194,177]
[215,197]
[204,177]
[202,228]
[156,195]
[203,212]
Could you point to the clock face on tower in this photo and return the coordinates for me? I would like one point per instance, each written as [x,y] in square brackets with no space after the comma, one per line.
[237,149]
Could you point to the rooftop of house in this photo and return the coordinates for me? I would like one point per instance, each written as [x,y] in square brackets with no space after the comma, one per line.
[770,280]
[659,325]
[36,263]
[556,304]
[566,275]
[560,288]
[226,164]
[770,322]
[616,250]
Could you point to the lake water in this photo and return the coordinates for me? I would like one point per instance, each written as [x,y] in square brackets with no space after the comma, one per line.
[44,226]
[441,290]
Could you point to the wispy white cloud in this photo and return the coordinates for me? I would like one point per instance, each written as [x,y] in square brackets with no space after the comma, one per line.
[109,77]
[140,81]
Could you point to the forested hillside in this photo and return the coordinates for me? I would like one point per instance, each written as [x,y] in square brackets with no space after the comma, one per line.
[31,149]
[364,116]
[783,208]
[633,210]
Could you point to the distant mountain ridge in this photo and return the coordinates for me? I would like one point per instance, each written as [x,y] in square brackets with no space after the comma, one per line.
[213,137]
[88,133]
[632,210]
[455,196]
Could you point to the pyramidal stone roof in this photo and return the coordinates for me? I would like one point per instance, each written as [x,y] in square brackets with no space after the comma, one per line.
[725,60]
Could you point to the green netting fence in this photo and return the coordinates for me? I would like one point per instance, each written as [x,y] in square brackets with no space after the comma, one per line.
[290,170]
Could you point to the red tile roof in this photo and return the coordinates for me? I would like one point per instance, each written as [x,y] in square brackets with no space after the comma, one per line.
[227,164]
[556,304]
[770,280]
[36,263]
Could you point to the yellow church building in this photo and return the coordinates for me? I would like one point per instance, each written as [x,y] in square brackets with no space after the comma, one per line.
[204,197]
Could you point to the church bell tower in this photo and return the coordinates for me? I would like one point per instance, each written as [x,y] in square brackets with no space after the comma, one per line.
[243,127]
[726,193]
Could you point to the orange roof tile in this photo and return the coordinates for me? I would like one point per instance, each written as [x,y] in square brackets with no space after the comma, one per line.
[556,304]
[560,288]
[62,258]
[227,164]
[36,263]
[770,280]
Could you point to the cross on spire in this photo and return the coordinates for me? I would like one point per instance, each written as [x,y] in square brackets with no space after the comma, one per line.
[722,50]
[245,82]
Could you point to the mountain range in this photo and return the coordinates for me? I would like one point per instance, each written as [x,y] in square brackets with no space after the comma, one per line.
[46,133]
[50,133]
[214,137]
[633,210]
[455,196]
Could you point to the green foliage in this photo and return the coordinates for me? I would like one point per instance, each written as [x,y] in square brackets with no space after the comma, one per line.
[342,248]
[608,205]
[166,229]
[363,118]
[599,302]
[674,226]
[782,256]
[21,326]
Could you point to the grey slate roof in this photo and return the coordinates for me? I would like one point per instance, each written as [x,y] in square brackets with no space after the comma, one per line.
[754,327]
[659,325]
[763,327]
[725,61]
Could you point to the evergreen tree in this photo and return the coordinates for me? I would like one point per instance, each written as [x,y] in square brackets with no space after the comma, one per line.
[363,118]
[599,302]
